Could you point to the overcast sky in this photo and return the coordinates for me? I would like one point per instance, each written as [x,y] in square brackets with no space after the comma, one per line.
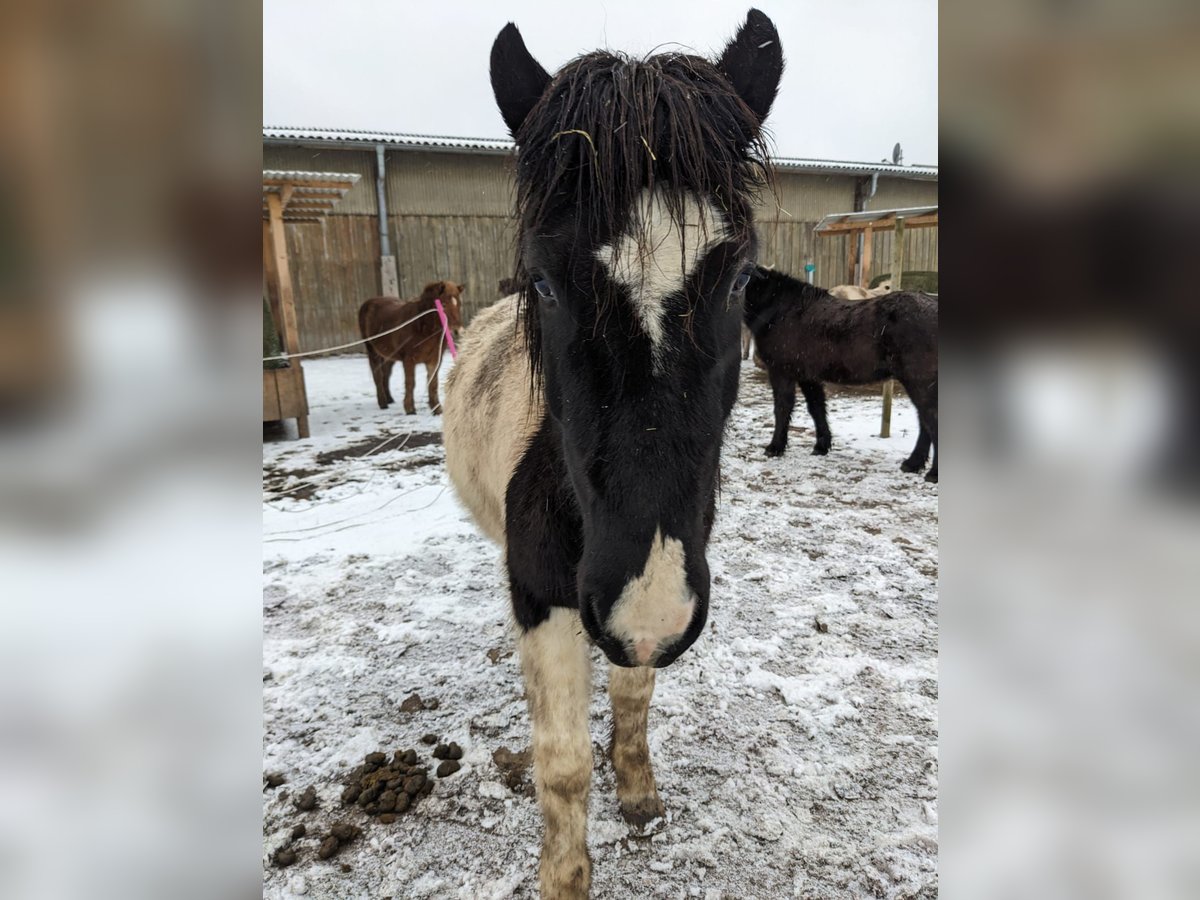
[860,75]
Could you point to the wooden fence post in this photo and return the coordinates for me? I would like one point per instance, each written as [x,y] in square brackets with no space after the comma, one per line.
[889,386]
[868,247]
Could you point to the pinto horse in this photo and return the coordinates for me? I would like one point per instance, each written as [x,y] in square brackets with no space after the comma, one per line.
[418,342]
[584,415]
[805,334]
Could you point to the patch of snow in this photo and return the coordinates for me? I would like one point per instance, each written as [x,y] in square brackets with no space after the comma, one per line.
[792,761]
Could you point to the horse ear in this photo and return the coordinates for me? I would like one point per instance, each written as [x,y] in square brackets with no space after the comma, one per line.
[753,63]
[518,80]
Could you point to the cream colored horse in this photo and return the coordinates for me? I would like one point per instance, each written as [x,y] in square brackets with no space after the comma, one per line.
[854,292]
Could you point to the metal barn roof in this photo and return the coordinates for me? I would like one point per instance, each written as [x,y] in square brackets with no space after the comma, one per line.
[442,143]
[398,139]
[914,217]
[306,196]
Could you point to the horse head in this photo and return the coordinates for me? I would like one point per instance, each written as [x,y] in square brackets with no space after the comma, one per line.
[635,182]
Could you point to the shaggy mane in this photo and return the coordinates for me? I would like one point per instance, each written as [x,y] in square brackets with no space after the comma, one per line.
[610,126]
[802,292]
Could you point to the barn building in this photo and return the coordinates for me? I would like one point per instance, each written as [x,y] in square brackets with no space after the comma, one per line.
[429,207]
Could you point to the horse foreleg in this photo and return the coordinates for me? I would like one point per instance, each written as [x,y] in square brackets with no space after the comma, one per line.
[814,399]
[746,338]
[932,474]
[630,691]
[388,365]
[434,403]
[557,669]
[410,379]
[784,390]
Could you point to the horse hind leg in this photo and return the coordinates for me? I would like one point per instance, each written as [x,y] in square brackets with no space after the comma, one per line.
[929,407]
[783,390]
[932,474]
[814,399]
[923,395]
[410,380]
[630,691]
[557,670]
[920,454]
[925,400]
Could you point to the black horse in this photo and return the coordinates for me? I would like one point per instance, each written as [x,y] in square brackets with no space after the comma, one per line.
[583,419]
[804,334]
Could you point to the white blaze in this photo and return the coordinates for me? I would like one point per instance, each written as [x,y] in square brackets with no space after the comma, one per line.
[658,604]
[655,256]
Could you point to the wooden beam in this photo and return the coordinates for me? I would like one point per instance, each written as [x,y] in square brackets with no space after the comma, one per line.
[269,274]
[868,248]
[889,386]
[299,209]
[316,183]
[885,426]
[851,259]
[930,220]
[285,195]
[289,331]
[898,254]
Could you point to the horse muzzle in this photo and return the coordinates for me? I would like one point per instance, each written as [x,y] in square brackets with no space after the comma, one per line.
[656,641]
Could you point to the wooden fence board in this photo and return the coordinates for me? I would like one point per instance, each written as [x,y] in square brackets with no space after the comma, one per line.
[335,261]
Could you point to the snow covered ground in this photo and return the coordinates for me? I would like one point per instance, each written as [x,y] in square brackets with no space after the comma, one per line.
[795,744]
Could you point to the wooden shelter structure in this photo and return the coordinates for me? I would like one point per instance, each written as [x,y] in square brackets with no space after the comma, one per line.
[860,227]
[290,197]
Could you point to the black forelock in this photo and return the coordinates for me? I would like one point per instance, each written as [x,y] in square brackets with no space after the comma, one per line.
[611,126]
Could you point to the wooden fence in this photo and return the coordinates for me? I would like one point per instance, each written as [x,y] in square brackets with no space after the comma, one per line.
[335,261]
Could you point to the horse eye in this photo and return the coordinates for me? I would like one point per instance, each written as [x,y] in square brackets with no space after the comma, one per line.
[742,280]
[542,286]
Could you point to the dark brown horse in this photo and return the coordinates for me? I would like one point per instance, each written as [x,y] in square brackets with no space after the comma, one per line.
[805,334]
[421,341]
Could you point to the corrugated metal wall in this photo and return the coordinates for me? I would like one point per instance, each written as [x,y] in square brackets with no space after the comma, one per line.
[450,218]
[448,184]
[896,193]
[806,198]
[474,250]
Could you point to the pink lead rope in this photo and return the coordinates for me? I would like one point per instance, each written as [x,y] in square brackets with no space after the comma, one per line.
[446,328]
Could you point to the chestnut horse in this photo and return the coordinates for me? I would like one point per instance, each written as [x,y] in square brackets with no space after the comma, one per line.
[421,341]
[585,414]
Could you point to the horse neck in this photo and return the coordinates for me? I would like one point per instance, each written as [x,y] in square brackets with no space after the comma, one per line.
[421,306]
[785,293]
[803,294]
